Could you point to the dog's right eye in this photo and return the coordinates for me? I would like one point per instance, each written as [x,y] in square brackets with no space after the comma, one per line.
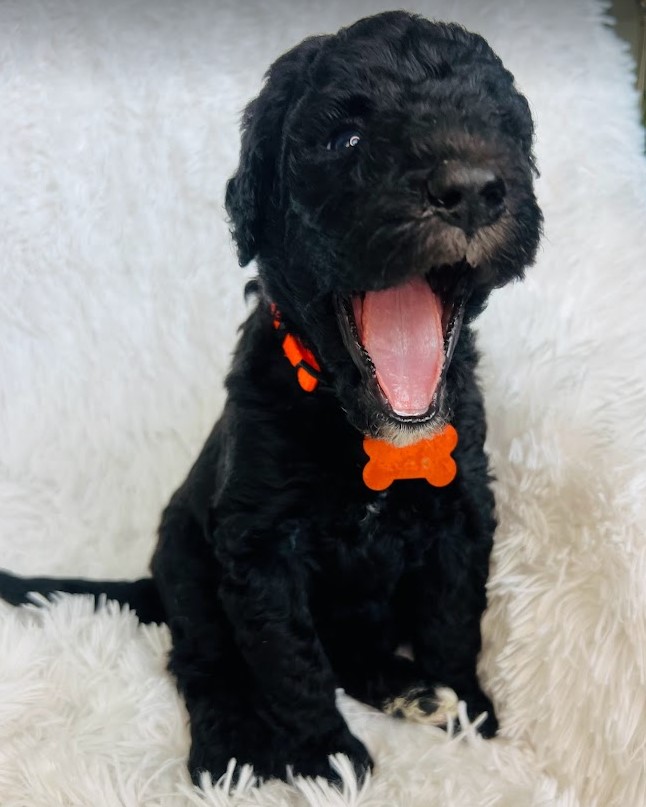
[344,140]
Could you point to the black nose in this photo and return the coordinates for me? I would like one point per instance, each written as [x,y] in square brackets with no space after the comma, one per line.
[467,196]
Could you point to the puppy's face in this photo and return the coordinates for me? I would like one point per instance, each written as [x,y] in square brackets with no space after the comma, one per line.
[385,188]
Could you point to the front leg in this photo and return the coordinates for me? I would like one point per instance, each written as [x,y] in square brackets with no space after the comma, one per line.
[263,591]
[446,598]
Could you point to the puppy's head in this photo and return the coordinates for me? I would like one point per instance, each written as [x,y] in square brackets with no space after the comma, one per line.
[385,188]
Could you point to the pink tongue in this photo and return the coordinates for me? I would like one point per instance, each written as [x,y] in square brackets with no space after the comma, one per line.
[401,328]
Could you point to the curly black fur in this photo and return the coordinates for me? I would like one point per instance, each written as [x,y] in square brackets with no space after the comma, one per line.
[281,575]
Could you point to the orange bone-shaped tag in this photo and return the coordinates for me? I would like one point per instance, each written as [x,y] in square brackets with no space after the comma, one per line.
[427,459]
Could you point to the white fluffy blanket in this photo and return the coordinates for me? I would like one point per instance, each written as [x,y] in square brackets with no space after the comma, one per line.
[119,300]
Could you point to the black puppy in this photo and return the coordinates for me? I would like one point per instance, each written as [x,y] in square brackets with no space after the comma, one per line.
[384,189]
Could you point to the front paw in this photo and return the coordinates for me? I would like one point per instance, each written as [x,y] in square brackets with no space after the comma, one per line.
[431,705]
[213,761]
[277,757]
[312,759]
[438,706]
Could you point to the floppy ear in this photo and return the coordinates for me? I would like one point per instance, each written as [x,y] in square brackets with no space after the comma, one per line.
[252,187]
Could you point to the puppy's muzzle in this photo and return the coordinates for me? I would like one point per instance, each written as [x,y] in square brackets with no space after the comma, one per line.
[466,196]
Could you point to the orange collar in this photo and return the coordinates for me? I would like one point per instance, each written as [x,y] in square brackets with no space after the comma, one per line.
[428,459]
[308,370]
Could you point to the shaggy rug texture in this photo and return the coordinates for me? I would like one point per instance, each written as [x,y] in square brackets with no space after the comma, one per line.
[120,296]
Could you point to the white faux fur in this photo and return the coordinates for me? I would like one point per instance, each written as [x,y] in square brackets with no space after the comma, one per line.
[119,301]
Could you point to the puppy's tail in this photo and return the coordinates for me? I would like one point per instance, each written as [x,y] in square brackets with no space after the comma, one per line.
[140,595]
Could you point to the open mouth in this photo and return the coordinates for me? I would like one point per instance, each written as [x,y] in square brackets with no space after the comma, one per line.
[402,340]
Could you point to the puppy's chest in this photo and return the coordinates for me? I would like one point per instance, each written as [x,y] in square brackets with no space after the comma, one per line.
[376,540]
